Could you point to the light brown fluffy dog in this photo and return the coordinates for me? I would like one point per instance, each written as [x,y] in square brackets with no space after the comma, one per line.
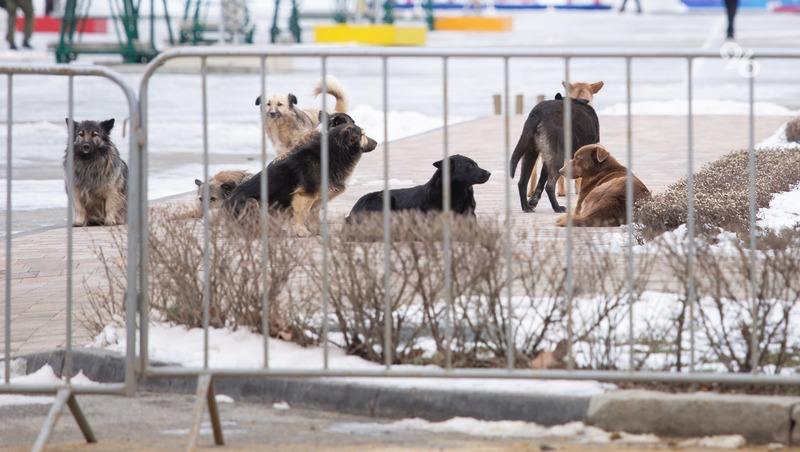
[578,90]
[287,126]
[220,187]
[602,198]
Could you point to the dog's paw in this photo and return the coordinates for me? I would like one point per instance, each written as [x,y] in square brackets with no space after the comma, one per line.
[302,231]
[559,209]
[533,201]
[561,221]
[527,208]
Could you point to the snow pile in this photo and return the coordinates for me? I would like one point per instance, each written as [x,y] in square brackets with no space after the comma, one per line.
[778,140]
[680,107]
[783,211]
[574,431]
[716,442]
[243,349]
[280,406]
[222,398]
[44,376]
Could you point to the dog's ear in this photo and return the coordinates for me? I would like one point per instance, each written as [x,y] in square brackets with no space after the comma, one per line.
[107,125]
[566,85]
[292,99]
[74,122]
[596,86]
[600,153]
[438,165]
[198,182]
[227,187]
[258,101]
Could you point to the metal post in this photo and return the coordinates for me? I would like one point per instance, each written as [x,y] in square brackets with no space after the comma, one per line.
[206,195]
[691,295]
[569,270]
[264,218]
[446,245]
[70,204]
[7,319]
[751,191]
[324,223]
[511,346]
[629,211]
[387,250]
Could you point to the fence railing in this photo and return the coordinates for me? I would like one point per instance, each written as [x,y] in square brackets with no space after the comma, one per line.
[65,392]
[138,222]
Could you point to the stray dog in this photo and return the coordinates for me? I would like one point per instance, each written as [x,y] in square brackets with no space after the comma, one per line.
[464,173]
[287,126]
[220,187]
[543,134]
[100,195]
[295,181]
[602,198]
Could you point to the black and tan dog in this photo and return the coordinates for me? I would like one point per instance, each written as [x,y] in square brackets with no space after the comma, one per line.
[288,125]
[295,181]
[99,174]
[464,173]
[543,135]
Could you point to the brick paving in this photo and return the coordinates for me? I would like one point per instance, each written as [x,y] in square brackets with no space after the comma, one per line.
[38,314]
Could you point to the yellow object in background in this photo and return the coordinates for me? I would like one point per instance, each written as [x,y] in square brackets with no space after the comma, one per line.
[473,23]
[377,34]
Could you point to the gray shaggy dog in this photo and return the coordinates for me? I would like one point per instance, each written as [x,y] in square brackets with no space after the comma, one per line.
[100,196]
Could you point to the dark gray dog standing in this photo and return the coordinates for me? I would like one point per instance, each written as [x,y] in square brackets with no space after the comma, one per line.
[100,176]
[543,134]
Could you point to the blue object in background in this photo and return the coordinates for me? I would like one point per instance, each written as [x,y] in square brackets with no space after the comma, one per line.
[759,4]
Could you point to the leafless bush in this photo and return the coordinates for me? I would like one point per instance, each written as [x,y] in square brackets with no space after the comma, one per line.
[721,193]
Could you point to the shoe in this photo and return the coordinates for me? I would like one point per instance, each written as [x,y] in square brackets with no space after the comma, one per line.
[730,33]
[12,46]
[27,45]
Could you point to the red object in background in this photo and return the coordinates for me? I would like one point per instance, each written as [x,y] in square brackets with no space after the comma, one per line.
[45,24]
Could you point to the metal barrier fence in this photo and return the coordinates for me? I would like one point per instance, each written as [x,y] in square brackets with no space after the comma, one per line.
[66,392]
[206,372]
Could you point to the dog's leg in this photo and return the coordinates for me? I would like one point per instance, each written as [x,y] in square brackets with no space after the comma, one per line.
[528,161]
[550,188]
[114,204]
[302,204]
[79,210]
[534,177]
[561,189]
[537,194]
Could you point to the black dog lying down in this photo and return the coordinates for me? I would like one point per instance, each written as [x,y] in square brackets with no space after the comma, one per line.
[295,181]
[464,173]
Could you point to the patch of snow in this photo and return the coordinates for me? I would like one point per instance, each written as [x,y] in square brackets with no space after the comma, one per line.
[393,183]
[679,107]
[229,427]
[222,398]
[783,211]
[282,406]
[401,124]
[778,140]
[716,442]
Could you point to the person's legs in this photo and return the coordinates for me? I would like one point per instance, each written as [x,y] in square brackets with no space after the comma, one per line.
[622,8]
[11,9]
[730,7]
[27,9]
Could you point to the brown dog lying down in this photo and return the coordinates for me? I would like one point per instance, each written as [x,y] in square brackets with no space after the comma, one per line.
[601,201]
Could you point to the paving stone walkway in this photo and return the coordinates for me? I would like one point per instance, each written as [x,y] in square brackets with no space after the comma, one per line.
[38,314]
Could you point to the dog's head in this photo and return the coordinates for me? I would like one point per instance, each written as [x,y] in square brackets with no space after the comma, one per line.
[464,170]
[278,105]
[587,160]
[336,119]
[220,187]
[585,91]
[91,138]
[352,137]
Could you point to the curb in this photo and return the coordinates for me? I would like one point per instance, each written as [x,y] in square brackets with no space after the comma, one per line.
[760,419]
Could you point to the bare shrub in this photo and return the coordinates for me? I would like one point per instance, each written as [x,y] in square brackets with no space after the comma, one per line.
[721,193]
[793,130]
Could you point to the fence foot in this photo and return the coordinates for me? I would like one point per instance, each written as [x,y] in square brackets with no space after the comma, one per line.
[205,396]
[63,397]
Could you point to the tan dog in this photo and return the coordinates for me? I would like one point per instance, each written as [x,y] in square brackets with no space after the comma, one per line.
[287,126]
[220,187]
[602,198]
[577,90]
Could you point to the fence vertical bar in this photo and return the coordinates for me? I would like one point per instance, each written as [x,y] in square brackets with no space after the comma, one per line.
[567,112]
[690,284]
[7,318]
[510,345]
[206,196]
[446,245]
[751,192]
[144,233]
[324,160]
[264,218]
[387,251]
[70,203]
[629,209]
[134,234]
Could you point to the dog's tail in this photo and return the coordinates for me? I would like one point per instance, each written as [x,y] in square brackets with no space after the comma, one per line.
[335,89]
[525,140]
